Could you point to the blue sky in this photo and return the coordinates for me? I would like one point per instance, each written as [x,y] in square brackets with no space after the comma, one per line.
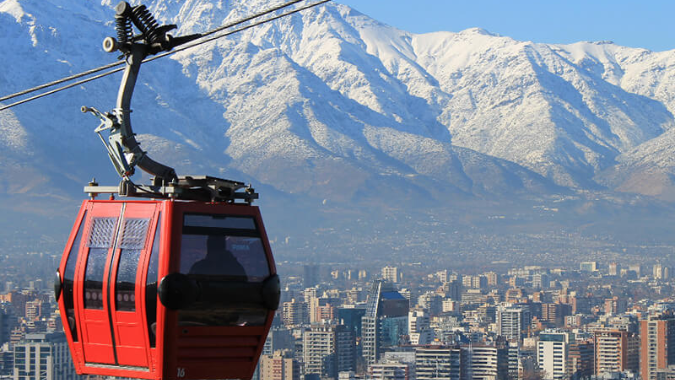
[649,24]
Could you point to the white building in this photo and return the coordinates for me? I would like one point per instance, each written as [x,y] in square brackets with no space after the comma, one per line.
[43,357]
[552,354]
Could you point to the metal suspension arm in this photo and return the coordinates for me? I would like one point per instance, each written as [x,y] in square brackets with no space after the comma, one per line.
[123,148]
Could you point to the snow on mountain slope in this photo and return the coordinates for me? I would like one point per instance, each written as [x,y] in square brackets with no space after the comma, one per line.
[331,103]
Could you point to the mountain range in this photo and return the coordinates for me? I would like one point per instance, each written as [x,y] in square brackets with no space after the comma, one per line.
[333,115]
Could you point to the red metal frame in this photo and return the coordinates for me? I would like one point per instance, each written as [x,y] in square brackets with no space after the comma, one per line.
[117,343]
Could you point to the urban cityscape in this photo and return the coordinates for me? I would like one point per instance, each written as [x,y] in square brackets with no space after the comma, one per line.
[594,321]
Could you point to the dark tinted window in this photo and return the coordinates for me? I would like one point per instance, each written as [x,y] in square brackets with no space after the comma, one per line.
[222,249]
[93,278]
[125,285]
[223,246]
[69,277]
[151,286]
[132,241]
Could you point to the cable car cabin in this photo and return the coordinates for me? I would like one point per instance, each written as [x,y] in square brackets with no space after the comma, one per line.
[167,289]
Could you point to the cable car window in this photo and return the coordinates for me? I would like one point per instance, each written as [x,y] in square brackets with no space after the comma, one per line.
[125,285]
[69,278]
[151,286]
[93,278]
[132,242]
[100,239]
[222,252]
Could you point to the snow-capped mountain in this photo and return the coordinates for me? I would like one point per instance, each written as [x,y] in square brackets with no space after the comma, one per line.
[331,104]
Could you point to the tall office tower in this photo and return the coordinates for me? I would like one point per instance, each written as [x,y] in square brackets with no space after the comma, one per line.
[390,274]
[279,366]
[616,351]
[438,362]
[294,313]
[485,362]
[328,350]
[43,356]
[657,349]
[384,302]
[552,354]
[581,360]
[311,275]
[513,321]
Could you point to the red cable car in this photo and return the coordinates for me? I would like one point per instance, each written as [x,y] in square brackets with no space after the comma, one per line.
[181,286]
[210,267]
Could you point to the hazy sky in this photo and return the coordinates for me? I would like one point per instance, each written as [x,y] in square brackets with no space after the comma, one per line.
[649,24]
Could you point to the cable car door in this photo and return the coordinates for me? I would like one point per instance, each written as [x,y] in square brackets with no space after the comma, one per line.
[93,269]
[113,256]
[127,281]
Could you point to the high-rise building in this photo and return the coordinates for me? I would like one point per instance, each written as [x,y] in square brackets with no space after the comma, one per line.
[279,366]
[615,305]
[389,370]
[552,350]
[492,278]
[390,274]
[320,309]
[438,362]
[581,360]
[661,272]
[327,350]
[311,275]
[294,313]
[657,348]
[384,302]
[616,351]
[485,362]
[513,321]
[614,269]
[453,290]
[351,317]
[278,339]
[432,302]
[541,281]
[419,328]
[555,313]
[515,368]
[43,356]
[6,325]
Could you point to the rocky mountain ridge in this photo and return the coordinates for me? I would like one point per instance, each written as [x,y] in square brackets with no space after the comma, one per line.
[336,107]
